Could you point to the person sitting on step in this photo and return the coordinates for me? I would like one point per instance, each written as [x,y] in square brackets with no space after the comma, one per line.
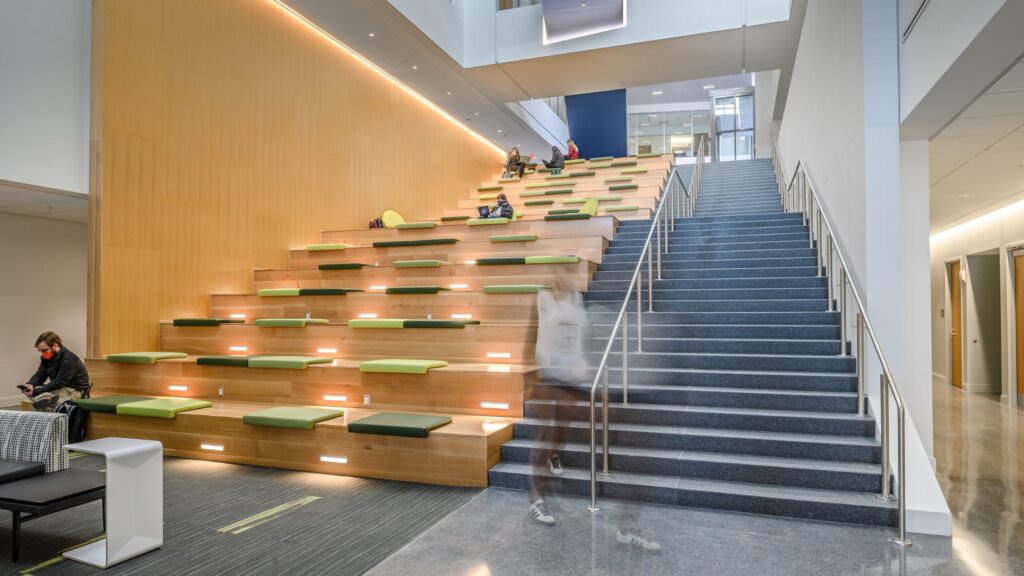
[557,161]
[502,210]
[573,152]
[64,370]
[514,163]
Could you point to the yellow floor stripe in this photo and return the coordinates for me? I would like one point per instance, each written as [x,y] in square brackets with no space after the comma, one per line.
[266,515]
[56,559]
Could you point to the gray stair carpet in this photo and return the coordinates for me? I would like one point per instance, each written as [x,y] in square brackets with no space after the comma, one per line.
[740,400]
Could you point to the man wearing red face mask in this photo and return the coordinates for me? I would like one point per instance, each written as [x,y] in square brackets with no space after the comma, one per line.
[61,375]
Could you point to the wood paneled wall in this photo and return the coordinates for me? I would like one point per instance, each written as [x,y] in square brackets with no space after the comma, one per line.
[226,131]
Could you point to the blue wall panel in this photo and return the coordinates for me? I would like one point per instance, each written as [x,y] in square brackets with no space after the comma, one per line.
[597,122]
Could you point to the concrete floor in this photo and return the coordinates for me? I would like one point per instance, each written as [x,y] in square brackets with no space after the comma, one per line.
[977,448]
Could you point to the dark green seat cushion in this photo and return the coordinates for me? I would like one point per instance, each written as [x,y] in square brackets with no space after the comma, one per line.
[564,211]
[143,357]
[161,407]
[326,291]
[299,417]
[558,217]
[394,244]
[453,218]
[514,288]
[401,366]
[343,266]
[107,404]
[624,163]
[223,360]
[434,324]
[500,261]
[414,290]
[558,191]
[538,202]
[435,241]
[618,179]
[399,424]
[624,187]
[582,173]
[196,322]
[514,238]
[286,362]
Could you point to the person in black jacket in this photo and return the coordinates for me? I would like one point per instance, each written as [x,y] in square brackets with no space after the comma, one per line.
[502,209]
[61,375]
[557,161]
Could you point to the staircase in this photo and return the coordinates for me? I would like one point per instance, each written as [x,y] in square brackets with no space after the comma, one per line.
[739,400]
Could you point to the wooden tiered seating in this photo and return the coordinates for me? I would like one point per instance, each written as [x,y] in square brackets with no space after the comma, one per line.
[485,372]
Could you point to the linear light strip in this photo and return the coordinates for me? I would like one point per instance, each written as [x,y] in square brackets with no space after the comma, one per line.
[328,36]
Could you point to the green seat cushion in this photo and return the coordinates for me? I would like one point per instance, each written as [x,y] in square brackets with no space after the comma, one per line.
[499,261]
[539,203]
[435,241]
[557,177]
[161,407]
[537,185]
[618,179]
[490,196]
[602,158]
[453,218]
[343,266]
[507,180]
[417,263]
[489,188]
[624,163]
[635,171]
[416,225]
[598,166]
[559,217]
[398,424]
[196,322]
[582,173]
[300,417]
[576,161]
[624,187]
[552,259]
[487,221]
[621,208]
[223,360]
[278,292]
[143,357]
[564,211]
[514,238]
[400,366]
[514,288]
[107,404]
[376,323]
[531,193]
[322,247]
[609,198]
[558,191]
[326,291]
[286,362]
[435,324]
[288,322]
[394,244]
[648,155]
[414,290]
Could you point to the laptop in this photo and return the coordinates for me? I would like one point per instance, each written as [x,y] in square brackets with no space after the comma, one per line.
[485,211]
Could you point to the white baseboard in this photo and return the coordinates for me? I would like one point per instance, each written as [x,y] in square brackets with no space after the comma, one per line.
[940,378]
[982,388]
[12,400]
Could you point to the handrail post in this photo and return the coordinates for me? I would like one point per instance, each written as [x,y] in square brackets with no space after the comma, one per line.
[886,465]
[830,305]
[666,240]
[658,225]
[604,425]
[901,457]
[842,311]
[639,308]
[625,375]
[861,356]
[810,225]
[593,445]
[650,281]
[821,248]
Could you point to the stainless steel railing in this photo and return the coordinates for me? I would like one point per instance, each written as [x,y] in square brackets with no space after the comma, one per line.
[681,202]
[799,194]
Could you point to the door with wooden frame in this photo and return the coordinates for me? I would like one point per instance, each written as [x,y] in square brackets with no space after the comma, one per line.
[1018,290]
[956,345]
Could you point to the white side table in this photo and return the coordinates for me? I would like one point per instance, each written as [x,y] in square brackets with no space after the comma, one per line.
[135,500]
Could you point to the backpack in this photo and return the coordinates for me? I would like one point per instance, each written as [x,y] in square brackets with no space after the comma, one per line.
[376,223]
[76,420]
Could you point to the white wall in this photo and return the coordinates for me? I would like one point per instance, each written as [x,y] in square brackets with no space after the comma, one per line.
[43,287]
[766,87]
[982,330]
[441,20]
[44,93]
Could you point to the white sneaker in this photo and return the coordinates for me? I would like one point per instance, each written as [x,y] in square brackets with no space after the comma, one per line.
[539,512]
[555,465]
[637,541]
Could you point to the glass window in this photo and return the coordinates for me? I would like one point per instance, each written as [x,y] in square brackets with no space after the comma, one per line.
[726,146]
[725,113]
[745,116]
[744,145]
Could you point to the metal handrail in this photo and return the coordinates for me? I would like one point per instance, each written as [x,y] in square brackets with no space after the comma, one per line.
[660,220]
[799,194]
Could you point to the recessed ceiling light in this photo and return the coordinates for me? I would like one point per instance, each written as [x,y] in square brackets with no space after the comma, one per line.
[963,195]
[645,124]
[372,34]
[499,130]
[652,115]
[709,86]
[583,4]
[657,93]
[415,67]
[449,92]
[476,113]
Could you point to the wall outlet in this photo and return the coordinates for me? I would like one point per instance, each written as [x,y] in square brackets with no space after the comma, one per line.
[366,399]
[220,392]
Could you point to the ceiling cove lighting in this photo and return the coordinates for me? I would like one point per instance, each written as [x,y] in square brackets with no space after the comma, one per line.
[488,405]
[238,348]
[378,287]
[987,218]
[178,388]
[212,447]
[505,355]
[458,286]
[238,316]
[334,459]
[462,316]
[362,59]
[327,350]
[335,398]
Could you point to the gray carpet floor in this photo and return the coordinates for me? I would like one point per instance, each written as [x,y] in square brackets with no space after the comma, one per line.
[324,524]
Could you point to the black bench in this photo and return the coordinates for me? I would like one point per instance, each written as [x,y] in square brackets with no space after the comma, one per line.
[35,494]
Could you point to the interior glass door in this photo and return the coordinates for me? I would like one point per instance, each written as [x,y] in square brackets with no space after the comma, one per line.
[734,127]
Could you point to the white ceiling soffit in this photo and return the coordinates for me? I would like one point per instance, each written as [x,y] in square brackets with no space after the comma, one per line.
[688,91]
[977,161]
[27,200]
[569,19]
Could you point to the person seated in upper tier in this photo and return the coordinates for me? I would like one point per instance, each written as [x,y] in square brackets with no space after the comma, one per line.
[503,209]
[573,152]
[514,163]
[557,161]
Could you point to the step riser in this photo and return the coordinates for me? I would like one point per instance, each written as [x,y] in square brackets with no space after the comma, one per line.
[833,364]
[721,284]
[803,347]
[709,398]
[661,294]
[674,258]
[735,318]
[735,333]
[820,382]
[711,240]
[634,251]
[716,233]
[699,306]
[716,273]
[717,264]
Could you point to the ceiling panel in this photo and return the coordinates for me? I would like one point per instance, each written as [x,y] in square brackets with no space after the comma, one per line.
[995,104]
[43,203]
